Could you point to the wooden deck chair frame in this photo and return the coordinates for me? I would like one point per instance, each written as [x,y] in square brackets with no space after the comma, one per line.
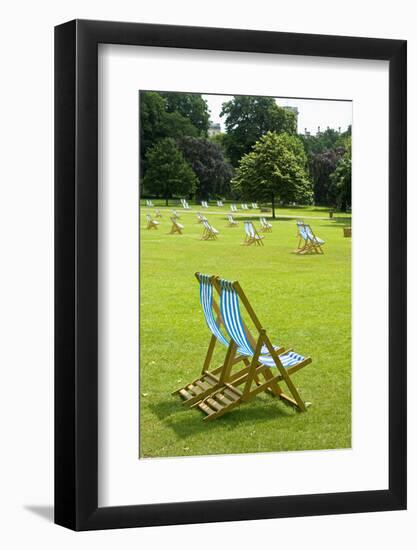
[176,227]
[208,232]
[252,239]
[214,406]
[265,225]
[313,242]
[221,378]
[151,224]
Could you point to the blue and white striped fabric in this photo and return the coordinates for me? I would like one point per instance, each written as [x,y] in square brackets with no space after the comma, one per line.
[206,299]
[232,319]
[229,307]
[313,237]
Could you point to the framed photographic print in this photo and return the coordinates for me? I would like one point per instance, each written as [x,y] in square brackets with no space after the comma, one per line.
[230,275]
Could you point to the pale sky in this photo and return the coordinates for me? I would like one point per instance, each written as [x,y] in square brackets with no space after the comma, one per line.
[311,112]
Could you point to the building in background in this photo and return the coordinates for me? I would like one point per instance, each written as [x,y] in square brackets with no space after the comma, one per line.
[214,128]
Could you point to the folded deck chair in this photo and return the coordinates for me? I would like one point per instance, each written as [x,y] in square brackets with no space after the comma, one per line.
[158,213]
[200,218]
[176,226]
[233,207]
[232,222]
[266,227]
[222,376]
[251,235]
[255,205]
[175,215]
[152,224]
[209,232]
[262,363]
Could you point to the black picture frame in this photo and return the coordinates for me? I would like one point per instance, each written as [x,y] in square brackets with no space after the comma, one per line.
[76,272]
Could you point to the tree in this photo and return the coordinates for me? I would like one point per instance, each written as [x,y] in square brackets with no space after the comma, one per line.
[250,117]
[275,169]
[207,161]
[322,165]
[157,123]
[341,179]
[168,173]
[190,106]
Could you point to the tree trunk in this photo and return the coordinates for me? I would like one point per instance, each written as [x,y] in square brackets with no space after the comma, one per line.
[273,206]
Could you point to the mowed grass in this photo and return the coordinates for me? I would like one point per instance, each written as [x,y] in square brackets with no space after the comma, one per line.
[304,302]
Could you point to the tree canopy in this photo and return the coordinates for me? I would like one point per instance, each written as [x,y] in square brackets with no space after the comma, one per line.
[274,170]
[247,118]
[156,123]
[190,106]
[207,161]
[168,173]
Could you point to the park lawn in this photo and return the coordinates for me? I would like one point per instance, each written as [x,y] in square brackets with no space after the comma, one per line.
[304,302]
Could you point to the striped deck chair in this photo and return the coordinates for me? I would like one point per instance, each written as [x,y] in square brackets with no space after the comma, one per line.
[233,207]
[244,206]
[176,226]
[251,235]
[200,218]
[152,224]
[255,205]
[266,227]
[149,203]
[175,215]
[220,204]
[185,204]
[158,213]
[232,221]
[302,237]
[315,243]
[204,204]
[209,232]
[222,376]
[211,380]
[264,357]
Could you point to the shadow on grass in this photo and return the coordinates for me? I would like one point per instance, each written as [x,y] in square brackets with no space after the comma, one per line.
[186,422]
[337,223]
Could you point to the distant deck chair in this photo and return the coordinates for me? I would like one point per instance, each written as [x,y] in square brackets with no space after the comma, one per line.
[209,232]
[244,206]
[231,221]
[222,376]
[204,204]
[152,224]
[262,354]
[315,243]
[200,218]
[233,207]
[255,205]
[158,213]
[220,204]
[176,226]
[266,227]
[251,235]
[175,215]
[149,203]
[185,204]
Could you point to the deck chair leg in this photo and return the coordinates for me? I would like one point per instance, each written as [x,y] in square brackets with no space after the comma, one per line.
[252,369]
[209,354]
[228,362]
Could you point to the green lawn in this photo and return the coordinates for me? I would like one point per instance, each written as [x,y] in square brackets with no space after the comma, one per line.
[304,302]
